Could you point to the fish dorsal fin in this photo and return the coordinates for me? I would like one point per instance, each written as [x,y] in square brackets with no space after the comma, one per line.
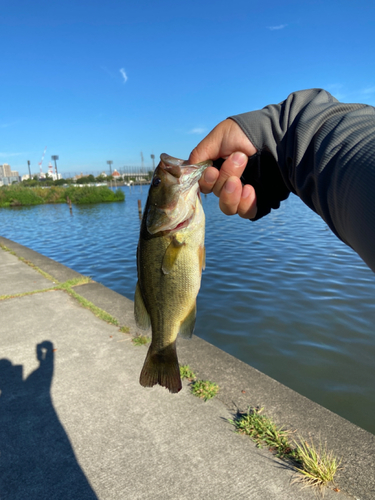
[141,315]
[188,325]
[171,254]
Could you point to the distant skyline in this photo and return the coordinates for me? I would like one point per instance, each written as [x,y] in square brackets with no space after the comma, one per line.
[97,81]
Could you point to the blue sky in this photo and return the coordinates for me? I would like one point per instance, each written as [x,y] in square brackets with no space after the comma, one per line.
[96,81]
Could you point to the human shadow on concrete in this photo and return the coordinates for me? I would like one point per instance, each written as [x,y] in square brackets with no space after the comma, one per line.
[37,460]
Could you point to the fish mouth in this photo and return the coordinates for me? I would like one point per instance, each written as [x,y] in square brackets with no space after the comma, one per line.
[175,209]
[186,173]
[181,225]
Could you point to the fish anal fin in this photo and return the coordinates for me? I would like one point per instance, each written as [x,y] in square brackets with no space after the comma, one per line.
[141,315]
[188,324]
[161,367]
[171,254]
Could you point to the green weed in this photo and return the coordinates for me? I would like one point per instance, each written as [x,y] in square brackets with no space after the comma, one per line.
[187,372]
[40,271]
[318,466]
[141,340]
[263,430]
[204,389]
[89,305]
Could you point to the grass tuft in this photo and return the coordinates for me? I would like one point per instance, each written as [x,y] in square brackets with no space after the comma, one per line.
[263,430]
[141,340]
[89,305]
[67,286]
[40,271]
[318,465]
[30,264]
[6,249]
[125,329]
[204,389]
[187,372]
[23,294]
[315,466]
[75,282]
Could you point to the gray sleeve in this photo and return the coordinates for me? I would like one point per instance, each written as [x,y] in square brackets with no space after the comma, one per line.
[323,151]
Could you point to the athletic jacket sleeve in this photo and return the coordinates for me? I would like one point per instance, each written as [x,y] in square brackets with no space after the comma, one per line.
[324,152]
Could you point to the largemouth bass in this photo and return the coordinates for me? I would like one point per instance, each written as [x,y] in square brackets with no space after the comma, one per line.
[170,259]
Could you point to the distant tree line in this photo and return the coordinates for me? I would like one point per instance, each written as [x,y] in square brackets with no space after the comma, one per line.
[19,195]
[48,181]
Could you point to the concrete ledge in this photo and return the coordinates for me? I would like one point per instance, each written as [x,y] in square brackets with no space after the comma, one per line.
[293,411]
[112,302]
[58,271]
[242,386]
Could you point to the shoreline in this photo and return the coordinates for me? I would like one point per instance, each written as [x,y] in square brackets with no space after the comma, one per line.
[23,196]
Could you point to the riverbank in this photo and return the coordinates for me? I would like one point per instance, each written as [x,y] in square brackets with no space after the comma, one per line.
[17,196]
[98,434]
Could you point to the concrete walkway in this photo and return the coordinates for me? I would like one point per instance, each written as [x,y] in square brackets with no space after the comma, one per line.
[76,424]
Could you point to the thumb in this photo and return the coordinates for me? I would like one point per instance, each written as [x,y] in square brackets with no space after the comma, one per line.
[209,148]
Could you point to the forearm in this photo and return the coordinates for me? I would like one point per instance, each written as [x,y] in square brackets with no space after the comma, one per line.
[324,151]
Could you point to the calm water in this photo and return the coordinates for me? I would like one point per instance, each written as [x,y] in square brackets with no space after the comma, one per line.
[282,294]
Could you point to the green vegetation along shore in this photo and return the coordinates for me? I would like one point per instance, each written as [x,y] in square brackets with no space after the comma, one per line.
[17,196]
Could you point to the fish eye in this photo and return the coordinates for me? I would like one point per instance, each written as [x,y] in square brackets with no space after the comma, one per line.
[156,181]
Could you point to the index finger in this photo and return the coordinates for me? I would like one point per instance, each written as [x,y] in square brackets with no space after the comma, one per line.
[214,180]
[226,138]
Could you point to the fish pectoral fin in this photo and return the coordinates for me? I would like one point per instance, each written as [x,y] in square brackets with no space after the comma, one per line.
[142,318]
[171,254]
[188,324]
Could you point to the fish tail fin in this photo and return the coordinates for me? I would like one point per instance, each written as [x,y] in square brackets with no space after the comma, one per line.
[161,367]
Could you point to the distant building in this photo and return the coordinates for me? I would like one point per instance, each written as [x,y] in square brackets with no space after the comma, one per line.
[51,174]
[5,170]
[26,177]
[78,176]
[116,175]
[7,175]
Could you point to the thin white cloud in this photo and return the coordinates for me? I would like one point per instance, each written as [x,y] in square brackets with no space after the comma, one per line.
[344,94]
[278,27]
[106,70]
[7,155]
[368,90]
[124,75]
[197,130]
[334,86]
[6,125]
[337,90]
[339,97]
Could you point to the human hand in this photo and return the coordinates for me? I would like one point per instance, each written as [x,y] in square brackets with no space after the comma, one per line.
[227,140]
